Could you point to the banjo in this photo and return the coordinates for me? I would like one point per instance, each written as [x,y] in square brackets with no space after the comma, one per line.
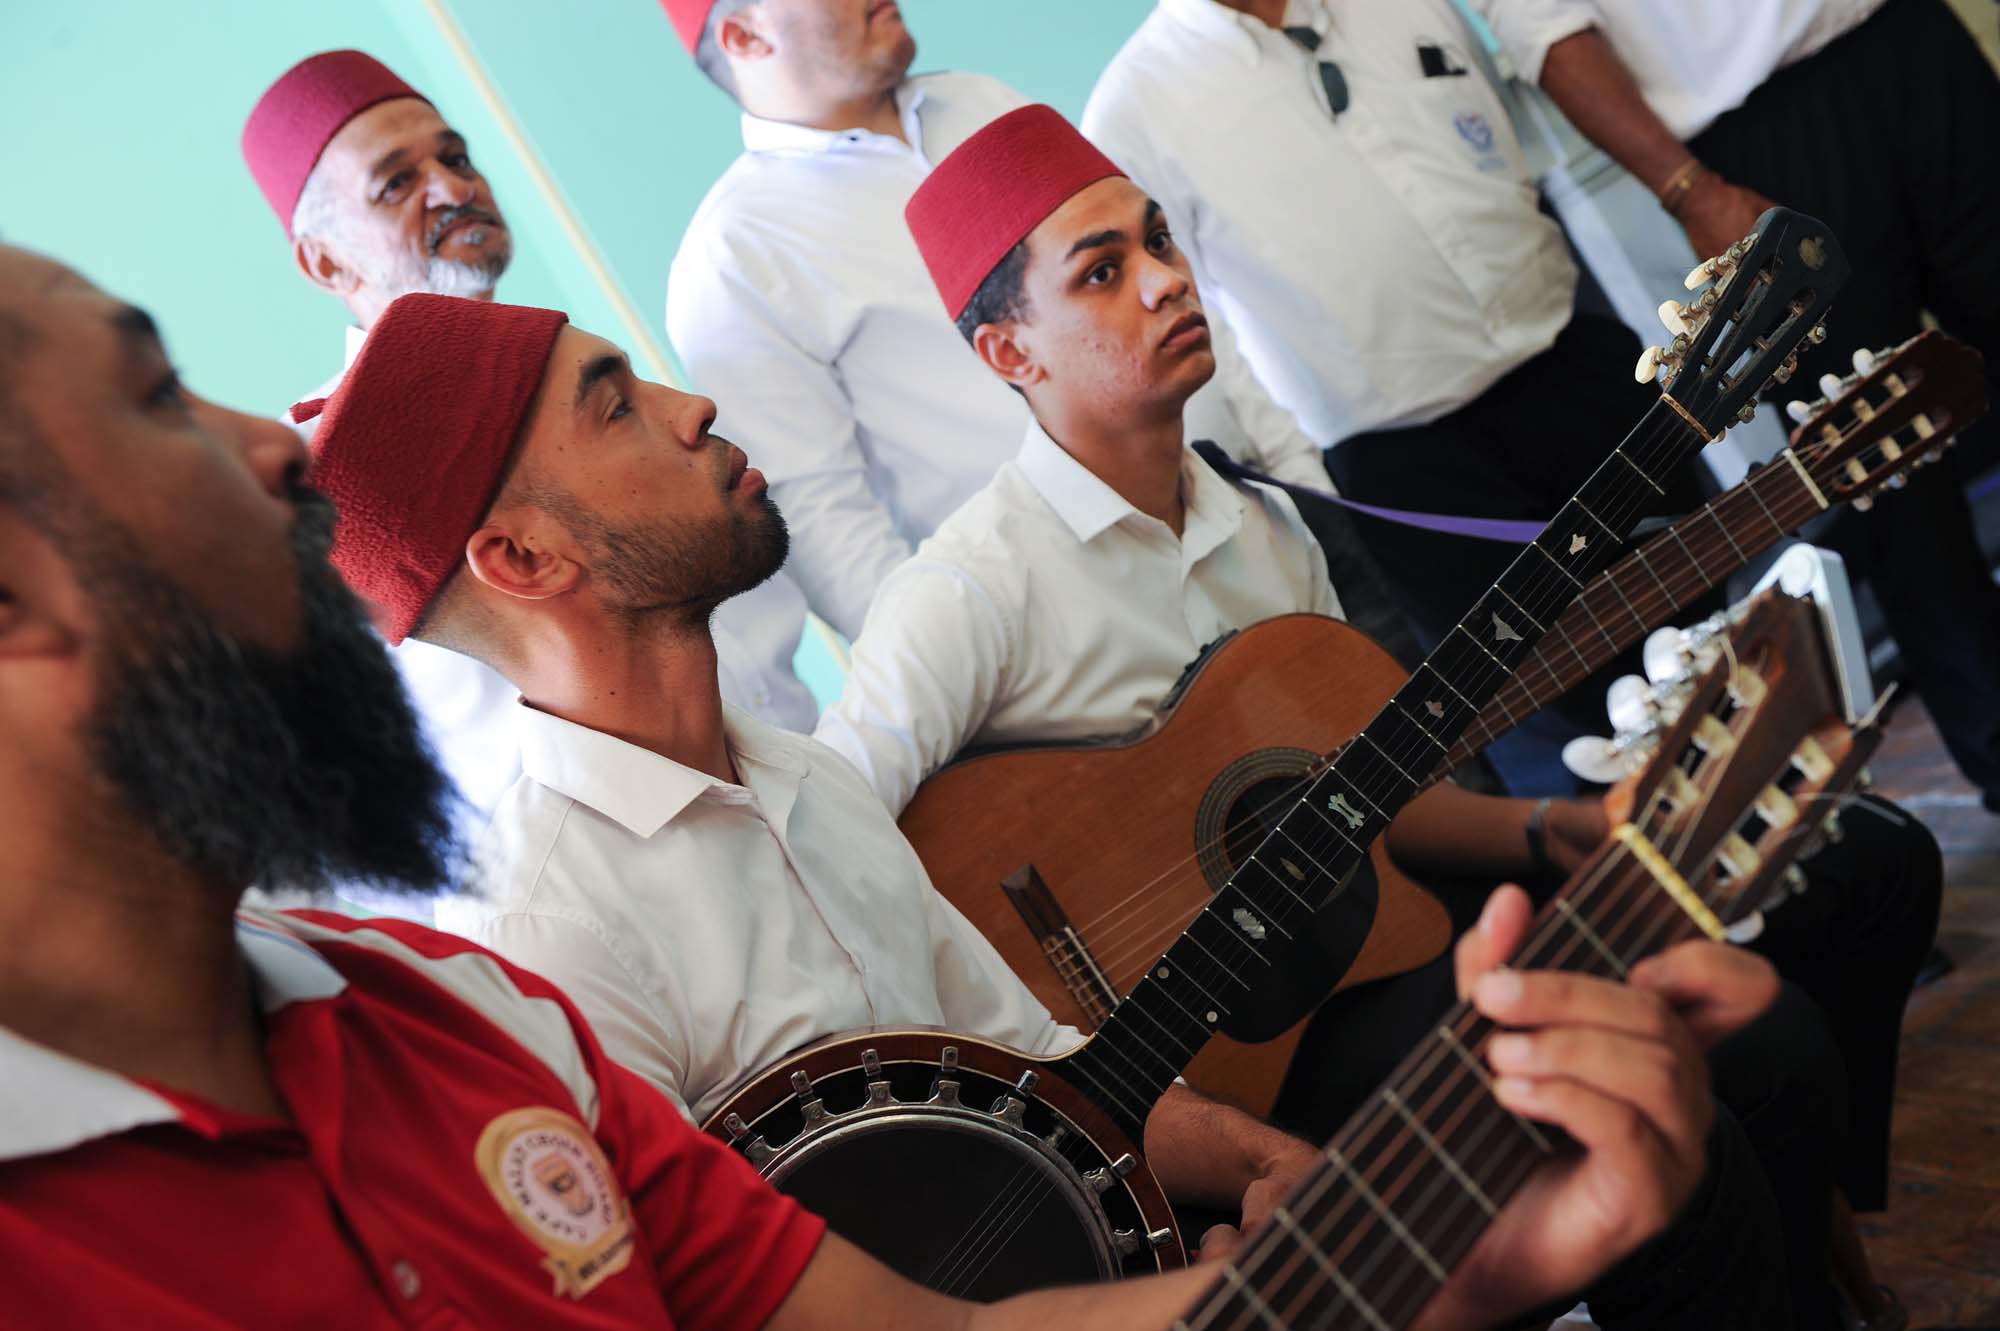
[981,1171]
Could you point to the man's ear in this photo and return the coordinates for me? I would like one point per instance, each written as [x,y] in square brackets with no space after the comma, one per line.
[39,602]
[1007,354]
[506,559]
[741,38]
[323,267]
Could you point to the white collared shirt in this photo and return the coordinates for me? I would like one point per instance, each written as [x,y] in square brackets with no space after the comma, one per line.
[468,708]
[1694,60]
[1049,608]
[799,302]
[707,929]
[1382,268]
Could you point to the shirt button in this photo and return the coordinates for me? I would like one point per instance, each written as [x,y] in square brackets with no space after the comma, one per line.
[408,1283]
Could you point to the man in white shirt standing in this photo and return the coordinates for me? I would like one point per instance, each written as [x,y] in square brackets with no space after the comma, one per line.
[1064,601]
[1345,183]
[797,300]
[1880,119]
[379,196]
[711,891]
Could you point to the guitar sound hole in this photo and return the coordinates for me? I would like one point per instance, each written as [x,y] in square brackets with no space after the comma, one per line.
[1242,805]
[1254,814]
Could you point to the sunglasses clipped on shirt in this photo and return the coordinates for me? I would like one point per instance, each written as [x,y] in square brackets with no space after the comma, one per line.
[1330,77]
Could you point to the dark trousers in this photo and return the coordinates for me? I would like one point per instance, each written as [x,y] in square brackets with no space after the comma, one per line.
[1812,1081]
[1890,136]
[1519,451]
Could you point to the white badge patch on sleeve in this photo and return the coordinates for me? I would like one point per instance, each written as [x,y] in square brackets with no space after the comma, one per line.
[551,1178]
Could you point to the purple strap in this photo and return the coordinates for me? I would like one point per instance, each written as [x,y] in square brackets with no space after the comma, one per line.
[1512,531]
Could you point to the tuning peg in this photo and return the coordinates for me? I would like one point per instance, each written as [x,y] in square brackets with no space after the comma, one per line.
[1798,411]
[1628,702]
[1830,386]
[1864,361]
[1702,272]
[1673,316]
[1747,412]
[1742,247]
[1863,503]
[1648,368]
[1816,334]
[1899,480]
[1662,653]
[1785,371]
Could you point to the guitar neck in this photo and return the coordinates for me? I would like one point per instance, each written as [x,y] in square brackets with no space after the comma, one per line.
[1305,861]
[1415,1176]
[1638,593]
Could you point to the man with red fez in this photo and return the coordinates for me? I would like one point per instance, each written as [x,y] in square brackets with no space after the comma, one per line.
[665,855]
[379,196]
[797,299]
[1065,601]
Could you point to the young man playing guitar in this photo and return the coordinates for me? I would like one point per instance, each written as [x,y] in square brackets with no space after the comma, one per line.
[1065,600]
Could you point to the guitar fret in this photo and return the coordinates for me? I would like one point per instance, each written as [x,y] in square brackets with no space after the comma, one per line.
[1556,563]
[1569,639]
[1601,525]
[1723,527]
[1219,966]
[1590,935]
[1620,455]
[1474,640]
[1675,532]
[1769,516]
[1189,1053]
[1437,1149]
[1517,605]
[1387,759]
[1619,592]
[1439,677]
[1389,1217]
[1290,1225]
[1583,602]
[1653,573]
[1257,1303]
[1307,855]
[1279,880]
[1310,807]
[1465,1056]
[1422,729]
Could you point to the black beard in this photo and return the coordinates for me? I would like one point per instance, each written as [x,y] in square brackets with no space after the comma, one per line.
[682,571]
[298,772]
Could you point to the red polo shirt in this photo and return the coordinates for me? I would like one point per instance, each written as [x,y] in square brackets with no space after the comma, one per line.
[461,1154]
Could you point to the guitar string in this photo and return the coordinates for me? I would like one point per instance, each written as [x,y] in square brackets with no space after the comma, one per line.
[1690,820]
[1624,490]
[1126,945]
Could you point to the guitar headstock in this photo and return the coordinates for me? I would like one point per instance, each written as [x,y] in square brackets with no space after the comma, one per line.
[1766,294]
[1897,411]
[1743,779]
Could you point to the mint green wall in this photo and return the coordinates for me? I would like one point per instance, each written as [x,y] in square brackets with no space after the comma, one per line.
[122,116]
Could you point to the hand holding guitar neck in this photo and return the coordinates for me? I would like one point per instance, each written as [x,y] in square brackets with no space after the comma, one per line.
[1620,1071]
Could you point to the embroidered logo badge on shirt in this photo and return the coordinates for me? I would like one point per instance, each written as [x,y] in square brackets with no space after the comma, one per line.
[1477,132]
[551,1178]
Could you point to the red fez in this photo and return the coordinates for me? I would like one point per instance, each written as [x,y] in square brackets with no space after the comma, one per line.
[689,17]
[299,114]
[994,189]
[415,438]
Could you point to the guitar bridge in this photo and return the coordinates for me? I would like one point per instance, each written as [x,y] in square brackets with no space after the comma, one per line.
[1061,943]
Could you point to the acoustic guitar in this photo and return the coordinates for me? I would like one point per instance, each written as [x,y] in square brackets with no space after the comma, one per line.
[1083,862]
[983,1171]
[1742,785]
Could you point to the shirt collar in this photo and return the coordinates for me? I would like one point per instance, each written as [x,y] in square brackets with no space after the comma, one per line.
[642,791]
[50,1102]
[760,135]
[1088,506]
[1234,32]
[355,338]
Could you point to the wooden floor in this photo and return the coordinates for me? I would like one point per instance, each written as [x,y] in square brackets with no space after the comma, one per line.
[1939,1244]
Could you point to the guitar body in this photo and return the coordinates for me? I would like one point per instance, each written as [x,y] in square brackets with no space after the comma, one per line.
[1131,839]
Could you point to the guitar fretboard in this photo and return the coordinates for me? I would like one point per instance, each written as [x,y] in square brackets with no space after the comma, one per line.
[1415,1176]
[1318,843]
[1618,608]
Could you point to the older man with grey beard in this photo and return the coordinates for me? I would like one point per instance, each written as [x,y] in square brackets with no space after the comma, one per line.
[379,198]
